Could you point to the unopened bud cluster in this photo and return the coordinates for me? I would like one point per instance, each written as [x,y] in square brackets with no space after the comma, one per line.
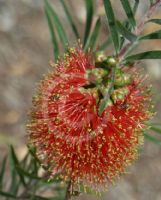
[100,78]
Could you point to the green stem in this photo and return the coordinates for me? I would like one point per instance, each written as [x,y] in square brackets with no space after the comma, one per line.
[149,13]
[107,96]
[130,46]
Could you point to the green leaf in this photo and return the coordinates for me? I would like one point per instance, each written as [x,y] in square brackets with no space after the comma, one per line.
[15,165]
[2,171]
[58,25]
[152,139]
[106,98]
[93,36]
[89,17]
[156,21]
[136,6]
[34,166]
[53,36]
[112,24]
[129,12]
[122,41]
[151,2]
[154,35]
[153,123]
[103,104]
[156,129]
[26,161]
[32,151]
[36,177]
[30,175]
[145,55]
[58,198]
[127,24]
[70,19]
[14,185]
[105,44]
[6,194]
[125,32]
[36,197]
[31,166]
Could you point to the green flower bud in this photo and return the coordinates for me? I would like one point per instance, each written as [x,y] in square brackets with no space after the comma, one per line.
[96,75]
[122,80]
[100,56]
[104,89]
[111,61]
[119,94]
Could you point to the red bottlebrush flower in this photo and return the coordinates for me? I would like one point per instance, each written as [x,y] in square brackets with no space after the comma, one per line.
[69,134]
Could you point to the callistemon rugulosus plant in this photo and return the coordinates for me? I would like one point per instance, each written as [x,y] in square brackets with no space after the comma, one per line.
[91,110]
[82,131]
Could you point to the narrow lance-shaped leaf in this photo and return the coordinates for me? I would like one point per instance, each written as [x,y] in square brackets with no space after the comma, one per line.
[36,197]
[153,124]
[28,163]
[14,185]
[152,139]
[70,19]
[127,23]
[34,163]
[129,12]
[156,21]
[122,38]
[150,36]
[126,33]
[32,151]
[145,55]
[105,100]
[89,17]
[3,166]
[93,36]
[30,175]
[35,167]
[136,6]
[6,194]
[58,25]
[112,24]
[15,164]
[53,36]
[151,2]
[24,163]
[156,129]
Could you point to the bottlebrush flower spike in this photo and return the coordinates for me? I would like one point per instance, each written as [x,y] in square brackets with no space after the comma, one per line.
[70,137]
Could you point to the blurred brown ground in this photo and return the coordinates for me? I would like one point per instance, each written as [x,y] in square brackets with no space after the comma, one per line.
[25,50]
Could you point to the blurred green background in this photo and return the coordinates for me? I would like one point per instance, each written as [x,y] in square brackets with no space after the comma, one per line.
[25,51]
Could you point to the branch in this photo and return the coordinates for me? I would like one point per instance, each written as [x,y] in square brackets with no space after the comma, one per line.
[33,183]
[149,13]
[68,192]
[140,27]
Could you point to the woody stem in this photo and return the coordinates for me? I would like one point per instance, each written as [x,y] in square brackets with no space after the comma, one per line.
[139,29]
[68,192]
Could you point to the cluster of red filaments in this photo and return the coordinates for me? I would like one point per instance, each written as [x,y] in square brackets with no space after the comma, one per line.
[70,135]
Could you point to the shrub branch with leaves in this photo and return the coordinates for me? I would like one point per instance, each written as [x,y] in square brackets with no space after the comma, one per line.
[90,113]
